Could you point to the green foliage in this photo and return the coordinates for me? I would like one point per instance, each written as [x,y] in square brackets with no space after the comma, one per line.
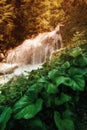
[46,99]
[64,98]
[63,124]
[76,52]
[78,38]
[4,117]
[30,110]
[13,90]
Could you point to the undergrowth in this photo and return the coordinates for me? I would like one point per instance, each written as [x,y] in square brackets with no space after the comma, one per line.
[48,99]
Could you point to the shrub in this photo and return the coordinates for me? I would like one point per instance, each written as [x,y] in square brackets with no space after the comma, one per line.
[49,96]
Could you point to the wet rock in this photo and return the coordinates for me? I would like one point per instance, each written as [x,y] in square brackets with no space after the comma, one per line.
[7,68]
[1,56]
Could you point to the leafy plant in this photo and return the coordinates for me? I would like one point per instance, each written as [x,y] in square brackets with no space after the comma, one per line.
[30,110]
[47,98]
[4,117]
[63,124]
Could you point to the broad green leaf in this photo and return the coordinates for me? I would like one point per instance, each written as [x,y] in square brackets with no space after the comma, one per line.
[4,117]
[59,80]
[36,124]
[42,80]
[33,93]
[62,99]
[21,103]
[80,81]
[32,87]
[53,73]
[81,61]
[67,114]
[77,71]
[30,111]
[1,108]
[76,83]
[66,65]
[76,52]
[35,88]
[63,124]
[51,88]
[68,124]
[58,121]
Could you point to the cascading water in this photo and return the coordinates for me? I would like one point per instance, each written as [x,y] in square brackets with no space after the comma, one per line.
[33,52]
[37,50]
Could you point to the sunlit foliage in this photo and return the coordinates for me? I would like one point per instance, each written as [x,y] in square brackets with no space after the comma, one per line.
[21,19]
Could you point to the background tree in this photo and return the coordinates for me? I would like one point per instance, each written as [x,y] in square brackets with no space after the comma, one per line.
[6,23]
[20,19]
[75,18]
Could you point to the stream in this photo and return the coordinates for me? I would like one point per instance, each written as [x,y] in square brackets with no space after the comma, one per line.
[30,55]
[22,70]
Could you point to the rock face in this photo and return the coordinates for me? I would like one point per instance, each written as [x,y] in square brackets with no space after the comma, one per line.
[7,68]
[1,56]
[37,50]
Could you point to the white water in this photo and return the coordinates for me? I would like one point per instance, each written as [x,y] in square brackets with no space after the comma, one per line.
[18,71]
[37,50]
[30,54]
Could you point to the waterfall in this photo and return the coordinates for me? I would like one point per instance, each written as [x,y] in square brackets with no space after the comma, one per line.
[36,50]
[30,55]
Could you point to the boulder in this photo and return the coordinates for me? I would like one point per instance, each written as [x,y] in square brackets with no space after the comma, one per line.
[6,68]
